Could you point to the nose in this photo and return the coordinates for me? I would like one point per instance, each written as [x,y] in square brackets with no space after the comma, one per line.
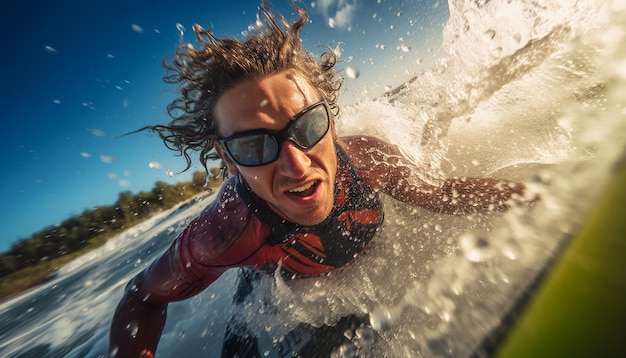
[293,161]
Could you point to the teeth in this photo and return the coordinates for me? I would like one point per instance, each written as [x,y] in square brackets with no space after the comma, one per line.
[302,188]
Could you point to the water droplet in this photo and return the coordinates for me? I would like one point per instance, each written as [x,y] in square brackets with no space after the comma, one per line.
[446,316]
[476,247]
[345,351]
[180,28]
[133,327]
[366,335]
[348,334]
[383,317]
[352,72]
[107,158]
[137,28]
[412,349]
[490,34]
[511,251]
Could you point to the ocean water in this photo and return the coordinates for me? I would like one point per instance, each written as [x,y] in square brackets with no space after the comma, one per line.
[527,90]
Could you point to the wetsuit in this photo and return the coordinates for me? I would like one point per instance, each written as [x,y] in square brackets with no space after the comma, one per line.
[238,229]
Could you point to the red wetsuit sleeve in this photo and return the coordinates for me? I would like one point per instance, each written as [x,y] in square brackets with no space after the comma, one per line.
[189,265]
[185,269]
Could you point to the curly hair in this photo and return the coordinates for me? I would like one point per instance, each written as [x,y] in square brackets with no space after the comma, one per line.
[204,74]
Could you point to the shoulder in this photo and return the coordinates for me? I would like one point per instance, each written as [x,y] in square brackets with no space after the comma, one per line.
[221,223]
[381,164]
[363,147]
[359,141]
[189,264]
[367,153]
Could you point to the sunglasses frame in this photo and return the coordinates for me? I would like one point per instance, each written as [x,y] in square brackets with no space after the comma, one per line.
[279,136]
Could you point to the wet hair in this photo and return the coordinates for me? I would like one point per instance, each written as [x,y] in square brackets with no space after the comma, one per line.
[204,74]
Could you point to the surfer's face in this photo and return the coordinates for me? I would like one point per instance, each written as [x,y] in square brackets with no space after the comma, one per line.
[300,183]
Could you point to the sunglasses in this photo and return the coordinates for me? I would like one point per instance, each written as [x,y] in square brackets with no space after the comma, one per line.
[262,146]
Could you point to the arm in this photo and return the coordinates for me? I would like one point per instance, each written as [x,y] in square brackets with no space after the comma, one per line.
[384,168]
[176,275]
[181,272]
[469,195]
[140,316]
[137,324]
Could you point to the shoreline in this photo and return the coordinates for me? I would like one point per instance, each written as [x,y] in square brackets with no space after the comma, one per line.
[30,278]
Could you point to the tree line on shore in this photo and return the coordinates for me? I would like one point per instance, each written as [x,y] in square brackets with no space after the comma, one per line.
[94,226]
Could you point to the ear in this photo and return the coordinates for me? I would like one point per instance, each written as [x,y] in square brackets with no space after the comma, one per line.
[230,165]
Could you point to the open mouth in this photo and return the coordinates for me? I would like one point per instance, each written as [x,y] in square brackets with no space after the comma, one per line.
[304,190]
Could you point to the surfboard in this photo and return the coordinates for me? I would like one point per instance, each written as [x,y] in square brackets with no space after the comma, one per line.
[578,309]
[574,306]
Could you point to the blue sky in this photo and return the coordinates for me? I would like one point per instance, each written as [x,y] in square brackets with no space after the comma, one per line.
[77,73]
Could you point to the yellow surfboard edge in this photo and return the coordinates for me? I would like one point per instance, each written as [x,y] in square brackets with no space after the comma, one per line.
[579,307]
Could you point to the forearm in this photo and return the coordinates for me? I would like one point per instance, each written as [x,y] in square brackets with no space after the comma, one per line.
[136,327]
[386,169]
[469,195]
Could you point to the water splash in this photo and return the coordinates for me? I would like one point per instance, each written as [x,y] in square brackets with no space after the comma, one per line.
[526,102]
[528,90]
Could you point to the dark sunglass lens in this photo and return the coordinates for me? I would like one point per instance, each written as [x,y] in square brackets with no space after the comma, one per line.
[252,150]
[311,127]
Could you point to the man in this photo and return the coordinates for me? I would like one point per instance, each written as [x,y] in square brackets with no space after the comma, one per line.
[300,201]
